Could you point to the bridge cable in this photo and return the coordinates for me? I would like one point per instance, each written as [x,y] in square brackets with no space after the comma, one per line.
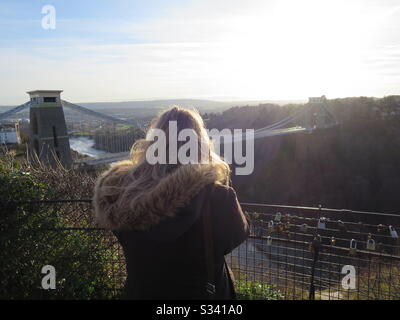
[19,108]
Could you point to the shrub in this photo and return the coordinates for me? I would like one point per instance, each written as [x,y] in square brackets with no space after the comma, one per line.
[33,235]
[248,290]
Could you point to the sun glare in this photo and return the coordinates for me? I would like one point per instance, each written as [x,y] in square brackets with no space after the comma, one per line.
[298,48]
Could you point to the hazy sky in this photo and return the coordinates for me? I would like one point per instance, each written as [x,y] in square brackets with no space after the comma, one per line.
[251,49]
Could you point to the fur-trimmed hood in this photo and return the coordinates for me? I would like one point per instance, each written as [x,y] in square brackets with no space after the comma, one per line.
[118,207]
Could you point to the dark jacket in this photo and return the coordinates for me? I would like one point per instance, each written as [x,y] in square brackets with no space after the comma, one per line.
[167,260]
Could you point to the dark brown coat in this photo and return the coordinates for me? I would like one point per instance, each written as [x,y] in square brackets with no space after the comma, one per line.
[166,260]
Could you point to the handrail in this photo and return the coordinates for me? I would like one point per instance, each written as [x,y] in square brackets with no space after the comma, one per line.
[349,211]
[319,208]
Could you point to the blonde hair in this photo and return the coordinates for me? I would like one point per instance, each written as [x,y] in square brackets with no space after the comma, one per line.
[185,119]
[134,192]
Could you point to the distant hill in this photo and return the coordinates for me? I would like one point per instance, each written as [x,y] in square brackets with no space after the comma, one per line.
[155,104]
[148,108]
[203,105]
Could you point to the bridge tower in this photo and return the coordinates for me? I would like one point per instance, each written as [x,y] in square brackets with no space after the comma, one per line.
[317,115]
[48,131]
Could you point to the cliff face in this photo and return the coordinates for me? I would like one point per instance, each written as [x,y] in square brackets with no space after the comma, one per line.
[355,165]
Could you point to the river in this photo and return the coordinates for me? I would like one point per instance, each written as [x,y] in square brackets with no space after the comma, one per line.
[85,146]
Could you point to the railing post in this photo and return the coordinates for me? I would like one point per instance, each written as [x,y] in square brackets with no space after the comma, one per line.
[315,247]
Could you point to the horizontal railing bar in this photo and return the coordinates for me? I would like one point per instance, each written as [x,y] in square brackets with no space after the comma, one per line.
[335,231]
[242,203]
[49,201]
[295,217]
[328,246]
[318,209]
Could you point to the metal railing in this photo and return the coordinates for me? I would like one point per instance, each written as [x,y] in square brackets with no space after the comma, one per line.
[291,253]
[320,253]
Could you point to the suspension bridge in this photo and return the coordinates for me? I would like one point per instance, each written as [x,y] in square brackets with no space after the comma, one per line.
[115,135]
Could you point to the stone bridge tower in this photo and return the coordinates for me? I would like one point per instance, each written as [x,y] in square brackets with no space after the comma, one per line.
[316,115]
[48,131]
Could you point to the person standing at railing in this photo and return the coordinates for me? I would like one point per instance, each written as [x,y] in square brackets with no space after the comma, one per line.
[175,221]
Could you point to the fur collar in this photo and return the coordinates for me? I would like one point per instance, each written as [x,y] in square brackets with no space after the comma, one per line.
[117,209]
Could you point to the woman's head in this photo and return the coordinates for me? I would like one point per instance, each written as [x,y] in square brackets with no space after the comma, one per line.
[180,121]
[179,127]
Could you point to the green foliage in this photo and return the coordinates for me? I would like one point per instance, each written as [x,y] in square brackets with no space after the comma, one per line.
[248,290]
[380,281]
[33,235]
